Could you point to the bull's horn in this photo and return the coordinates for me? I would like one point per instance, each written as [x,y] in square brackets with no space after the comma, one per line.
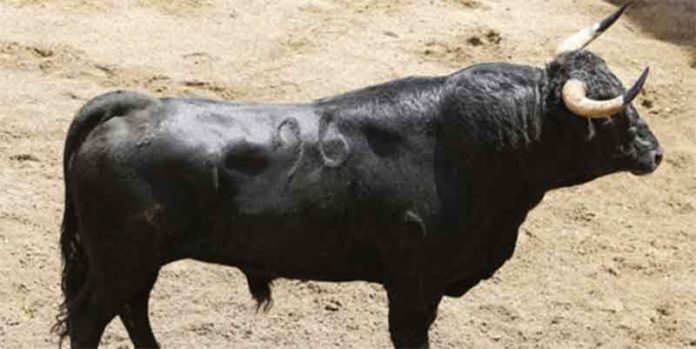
[584,37]
[576,100]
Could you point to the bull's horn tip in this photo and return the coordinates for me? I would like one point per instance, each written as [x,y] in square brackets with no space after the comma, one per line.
[624,7]
[637,87]
[609,21]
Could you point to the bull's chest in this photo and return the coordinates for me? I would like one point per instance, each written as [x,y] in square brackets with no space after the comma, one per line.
[487,242]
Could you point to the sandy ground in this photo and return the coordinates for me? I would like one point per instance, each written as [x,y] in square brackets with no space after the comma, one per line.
[610,264]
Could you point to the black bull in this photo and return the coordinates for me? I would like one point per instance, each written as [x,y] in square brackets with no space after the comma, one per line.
[418,184]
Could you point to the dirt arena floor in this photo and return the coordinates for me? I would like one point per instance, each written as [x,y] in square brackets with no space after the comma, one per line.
[610,264]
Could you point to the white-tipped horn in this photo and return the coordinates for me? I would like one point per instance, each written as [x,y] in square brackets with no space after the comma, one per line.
[585,36]
[576,100]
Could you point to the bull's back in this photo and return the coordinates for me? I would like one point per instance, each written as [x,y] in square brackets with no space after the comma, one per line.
[281,189]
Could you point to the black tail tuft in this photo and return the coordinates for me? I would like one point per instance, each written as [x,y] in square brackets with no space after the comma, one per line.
[260,288]
[74,274]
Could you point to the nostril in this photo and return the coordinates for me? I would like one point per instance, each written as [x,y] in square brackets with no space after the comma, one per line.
[659,154]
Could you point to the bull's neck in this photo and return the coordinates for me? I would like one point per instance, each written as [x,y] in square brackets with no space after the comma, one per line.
[493,118]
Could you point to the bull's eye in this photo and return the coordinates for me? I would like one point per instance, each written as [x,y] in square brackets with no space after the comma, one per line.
[632,132]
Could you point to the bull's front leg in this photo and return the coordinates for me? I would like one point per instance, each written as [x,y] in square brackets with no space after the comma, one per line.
[412,309]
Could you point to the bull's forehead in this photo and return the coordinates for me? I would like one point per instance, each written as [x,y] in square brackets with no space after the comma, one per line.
[605,85]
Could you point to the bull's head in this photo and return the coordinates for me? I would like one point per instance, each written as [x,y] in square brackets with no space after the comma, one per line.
[591,98]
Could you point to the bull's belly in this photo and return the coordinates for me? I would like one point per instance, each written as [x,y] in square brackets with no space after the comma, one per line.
[302,249]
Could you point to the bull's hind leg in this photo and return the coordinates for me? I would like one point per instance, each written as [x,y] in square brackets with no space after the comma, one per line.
[124,260]
[136,318]
[119,284]
[88,318]
[103,300]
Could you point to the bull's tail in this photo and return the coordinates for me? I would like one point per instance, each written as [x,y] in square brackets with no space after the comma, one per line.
[75,263]
[75,266]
